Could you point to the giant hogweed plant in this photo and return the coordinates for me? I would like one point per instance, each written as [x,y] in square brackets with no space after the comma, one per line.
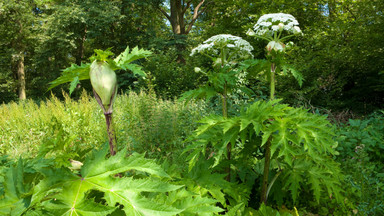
[271,27]
[296,145]
[225,52]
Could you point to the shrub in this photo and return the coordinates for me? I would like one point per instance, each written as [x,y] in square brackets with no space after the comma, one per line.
[361,147]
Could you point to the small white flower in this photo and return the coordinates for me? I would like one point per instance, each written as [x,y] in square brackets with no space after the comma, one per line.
[218,61]
[281,26]
[296,30]
[275,27]
[274,45]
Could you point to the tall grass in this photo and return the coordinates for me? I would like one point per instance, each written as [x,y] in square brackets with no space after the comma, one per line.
[158,127]
[26,125]
[143,123]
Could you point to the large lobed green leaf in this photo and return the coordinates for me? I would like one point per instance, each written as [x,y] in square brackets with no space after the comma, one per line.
[125,59]
[72,74]
[17,197]
[101,173]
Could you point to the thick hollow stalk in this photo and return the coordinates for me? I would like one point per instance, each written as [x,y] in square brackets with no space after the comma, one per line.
[108,121]
[272,86]
[225,106]
[267,158]
[111,133]
[267,161]
[229,145]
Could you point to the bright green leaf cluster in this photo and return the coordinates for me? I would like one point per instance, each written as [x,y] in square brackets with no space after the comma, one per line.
[124,61]
[121,183]
[301,142]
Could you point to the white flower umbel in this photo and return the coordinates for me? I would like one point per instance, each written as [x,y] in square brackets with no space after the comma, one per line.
[267,21]
[226,47]
[271,26]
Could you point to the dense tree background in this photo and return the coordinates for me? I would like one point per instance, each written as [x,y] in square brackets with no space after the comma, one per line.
[340,54]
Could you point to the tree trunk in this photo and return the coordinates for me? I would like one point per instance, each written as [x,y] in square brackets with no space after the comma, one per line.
[177,17]
[180,26]
[80,46]
[21,76]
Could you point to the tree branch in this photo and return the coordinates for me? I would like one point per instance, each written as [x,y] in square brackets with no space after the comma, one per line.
[186,7]
[196,14]
[165,13]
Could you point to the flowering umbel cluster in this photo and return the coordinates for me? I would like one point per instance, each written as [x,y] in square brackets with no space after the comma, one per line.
[235,47]
[270,24]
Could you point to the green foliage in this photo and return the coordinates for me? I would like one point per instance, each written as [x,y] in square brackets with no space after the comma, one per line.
[361,154]
[336,57]
[366,134]
[127,57]
[168,77]
[301,145]
[268,211]
[103,185]
[16,197]
[216,80]
[70,128]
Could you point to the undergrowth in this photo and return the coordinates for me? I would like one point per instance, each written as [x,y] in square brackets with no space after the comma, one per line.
[144,123]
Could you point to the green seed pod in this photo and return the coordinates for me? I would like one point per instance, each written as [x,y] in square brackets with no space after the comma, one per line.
[104,83]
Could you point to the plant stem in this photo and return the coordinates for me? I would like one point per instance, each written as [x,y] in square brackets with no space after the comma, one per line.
[111,133]
[267,158]
[267,161]
[229,145]
[225,106]
[272,93]
[272,182]
[108,121]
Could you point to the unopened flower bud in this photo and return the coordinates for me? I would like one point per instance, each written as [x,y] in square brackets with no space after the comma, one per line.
[104,82]
[197,69]
[281,26]
[250,32]
[76,165]
[289,45]
[218,61]
[296,30]
[275,45]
